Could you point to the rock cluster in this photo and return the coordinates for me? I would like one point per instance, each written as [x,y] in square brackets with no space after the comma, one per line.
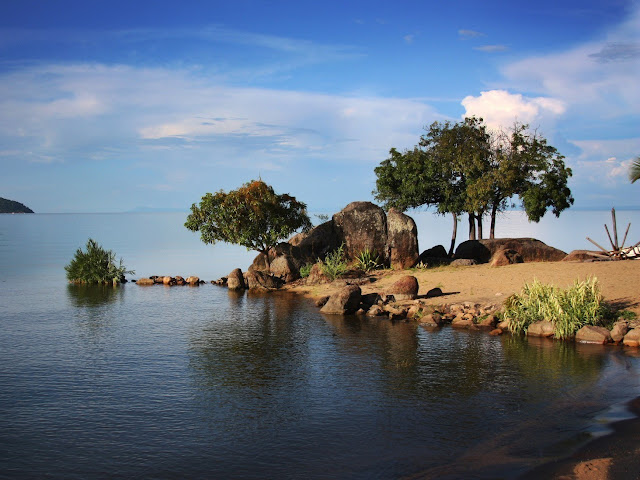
[398,305]
[168,280]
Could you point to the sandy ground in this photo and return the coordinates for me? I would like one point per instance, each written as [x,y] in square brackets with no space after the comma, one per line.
[619,281]
[613,457]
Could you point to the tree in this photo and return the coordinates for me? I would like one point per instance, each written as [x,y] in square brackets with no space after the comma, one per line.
[253,216]
[634,171]
[463,168]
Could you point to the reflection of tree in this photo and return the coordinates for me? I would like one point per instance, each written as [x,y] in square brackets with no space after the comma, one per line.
[93,295]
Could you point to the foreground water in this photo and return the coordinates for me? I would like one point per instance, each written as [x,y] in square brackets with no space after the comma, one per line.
[175,382]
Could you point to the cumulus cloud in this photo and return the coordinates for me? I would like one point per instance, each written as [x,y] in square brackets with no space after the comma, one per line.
[500,109]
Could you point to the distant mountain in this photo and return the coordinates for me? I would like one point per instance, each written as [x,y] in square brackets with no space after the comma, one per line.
[10,206]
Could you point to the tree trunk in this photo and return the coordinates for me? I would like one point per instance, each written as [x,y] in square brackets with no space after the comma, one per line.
[492,229]
[472,226]
[454,234]
[479,217]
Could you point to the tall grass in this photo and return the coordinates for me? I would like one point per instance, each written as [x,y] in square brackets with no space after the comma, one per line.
[96,265]
[335,263]
[367,260]
[569,309]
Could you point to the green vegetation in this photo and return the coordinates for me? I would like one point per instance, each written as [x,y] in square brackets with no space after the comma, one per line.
[11,206]
[253,216]
[367,260]
[462,168]
[569,310]
[305,270]
[96,265]
[335,263]
[634,171]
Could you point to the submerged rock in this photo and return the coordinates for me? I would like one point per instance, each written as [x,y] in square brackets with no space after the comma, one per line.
[344,302]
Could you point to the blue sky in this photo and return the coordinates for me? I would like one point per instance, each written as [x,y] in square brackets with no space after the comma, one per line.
[115,106]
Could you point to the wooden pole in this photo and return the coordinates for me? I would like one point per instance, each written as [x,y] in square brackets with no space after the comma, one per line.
[625,236]
[613,247]
[605,251]
[615,228]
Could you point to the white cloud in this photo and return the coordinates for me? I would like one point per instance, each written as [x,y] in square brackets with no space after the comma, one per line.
[605,160]
[470,33]
[492,48]
[500,108]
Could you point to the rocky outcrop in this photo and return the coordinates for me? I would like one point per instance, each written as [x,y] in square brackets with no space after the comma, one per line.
[169,281]
[317,242]
[145,281]
[344,302]
[632,339]
[405,288]
[284,267]
[619,330]
[362,226]
[402,240]
[235,280]
[582,256]
[530,249]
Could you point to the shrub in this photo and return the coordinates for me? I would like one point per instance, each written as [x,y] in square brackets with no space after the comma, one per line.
[96,265]
[305,270]
[569,310]
[367,260]
[335,263]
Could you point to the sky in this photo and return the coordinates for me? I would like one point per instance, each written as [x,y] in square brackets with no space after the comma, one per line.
[114,106]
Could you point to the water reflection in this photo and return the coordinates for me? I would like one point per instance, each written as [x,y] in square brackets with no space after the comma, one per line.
[94,295]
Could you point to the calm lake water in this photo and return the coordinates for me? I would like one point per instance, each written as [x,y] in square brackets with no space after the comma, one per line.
[181,382]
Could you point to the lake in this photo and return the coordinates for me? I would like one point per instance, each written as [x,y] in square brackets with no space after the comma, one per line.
[200,382]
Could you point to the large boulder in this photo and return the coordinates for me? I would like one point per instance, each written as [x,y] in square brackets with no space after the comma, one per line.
[235,280]
[581,256]
[593,334]
[437,252]
[262,281]
[632,338]
[405,288]
[145,281]
[316,243]
[344,302]
[402,240]
[530,249]
[284,267]
[362,226]
[505,257]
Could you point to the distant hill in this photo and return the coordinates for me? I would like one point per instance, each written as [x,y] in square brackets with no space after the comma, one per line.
[9,206]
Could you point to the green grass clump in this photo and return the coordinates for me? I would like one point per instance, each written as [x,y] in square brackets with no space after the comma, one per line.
[569,309]
[335,263]
[305,270]
[96,265]
[367,260]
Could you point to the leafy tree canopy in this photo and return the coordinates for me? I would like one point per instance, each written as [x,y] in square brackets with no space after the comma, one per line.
[253,216]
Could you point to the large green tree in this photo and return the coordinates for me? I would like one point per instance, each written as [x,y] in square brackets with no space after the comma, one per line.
[253,216]
[462,168]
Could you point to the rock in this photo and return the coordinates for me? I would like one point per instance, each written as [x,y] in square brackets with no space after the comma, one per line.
[145,281]
[344,302]
[593,334]
[496,331]
[504,257]
[179,280]
[370,299]
[222,281]
[235,280]
[168,281]
[462,321]
[406,288]
[402,240]
[581,255]
[434,292]
[193,280]
[317,242]
[262,281]
[361,226]
[434,319]
[619,330]
[437,252]
[504,325]
[488,322]
[463,262]
[322,301]
[632,338]
[375,311]
[316,276]
[285,268]
[530,249]
[543,328]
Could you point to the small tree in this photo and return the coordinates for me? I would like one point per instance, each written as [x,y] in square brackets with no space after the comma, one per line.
[96,265]
[253,216]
